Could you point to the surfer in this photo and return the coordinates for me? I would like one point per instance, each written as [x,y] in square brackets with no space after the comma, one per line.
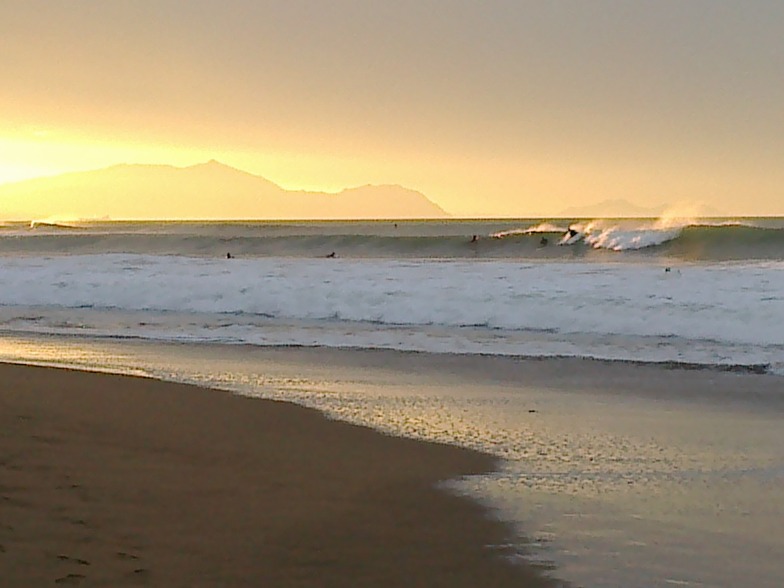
[331,255]
[571,236]
[229,255]
[474,239]
[543,242]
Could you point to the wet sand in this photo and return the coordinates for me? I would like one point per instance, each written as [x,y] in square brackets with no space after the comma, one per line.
[121,481]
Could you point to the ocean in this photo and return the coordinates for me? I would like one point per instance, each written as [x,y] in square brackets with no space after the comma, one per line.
[631,380]
[706,293]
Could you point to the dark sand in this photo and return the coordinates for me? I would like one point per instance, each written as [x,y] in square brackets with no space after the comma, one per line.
[120,481]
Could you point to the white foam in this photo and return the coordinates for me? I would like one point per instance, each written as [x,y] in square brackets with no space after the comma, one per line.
[618,239]
[721,313]
[538,228]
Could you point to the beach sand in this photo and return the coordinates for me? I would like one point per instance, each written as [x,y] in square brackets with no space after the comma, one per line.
[121,481]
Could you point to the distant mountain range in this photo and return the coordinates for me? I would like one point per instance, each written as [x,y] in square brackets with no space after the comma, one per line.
[625,209]
[210,190]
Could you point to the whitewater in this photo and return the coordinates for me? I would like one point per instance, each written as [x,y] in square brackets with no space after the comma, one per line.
[626,291]
[630,382]
[669,240]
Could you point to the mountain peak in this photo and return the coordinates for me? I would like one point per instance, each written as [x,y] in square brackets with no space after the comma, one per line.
[212,163]
[209,190]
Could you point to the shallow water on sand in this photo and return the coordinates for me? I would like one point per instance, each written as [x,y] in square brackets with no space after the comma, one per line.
[618,475]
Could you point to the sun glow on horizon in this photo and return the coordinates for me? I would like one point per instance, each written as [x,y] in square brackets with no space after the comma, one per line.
[492,109]
[459,186]
[35,153]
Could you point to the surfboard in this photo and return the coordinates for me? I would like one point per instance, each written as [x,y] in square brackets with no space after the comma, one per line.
[569,239]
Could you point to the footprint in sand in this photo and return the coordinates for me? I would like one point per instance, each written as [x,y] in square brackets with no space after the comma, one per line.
[139,574]
[76,560]
[70,579]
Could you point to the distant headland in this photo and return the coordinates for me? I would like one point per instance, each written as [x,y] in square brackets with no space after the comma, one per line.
[205,191]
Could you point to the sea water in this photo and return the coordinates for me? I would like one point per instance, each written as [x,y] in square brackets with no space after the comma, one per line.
[611,481]
[710,294]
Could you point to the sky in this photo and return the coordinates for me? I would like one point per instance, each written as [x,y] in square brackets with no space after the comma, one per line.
[490,108]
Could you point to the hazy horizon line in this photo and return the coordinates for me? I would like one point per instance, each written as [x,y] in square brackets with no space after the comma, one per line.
[562,215]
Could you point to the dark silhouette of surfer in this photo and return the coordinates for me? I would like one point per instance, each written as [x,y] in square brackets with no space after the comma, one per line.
[229,255]
[474,239]
[331,255]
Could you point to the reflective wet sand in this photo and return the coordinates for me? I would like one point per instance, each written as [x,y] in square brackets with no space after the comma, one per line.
[616,474]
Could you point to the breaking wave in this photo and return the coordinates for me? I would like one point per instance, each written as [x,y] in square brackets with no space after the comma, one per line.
[602,240]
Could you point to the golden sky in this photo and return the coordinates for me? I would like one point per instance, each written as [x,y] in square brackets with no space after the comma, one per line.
[492,108]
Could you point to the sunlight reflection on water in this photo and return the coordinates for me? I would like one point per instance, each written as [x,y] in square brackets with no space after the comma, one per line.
[617,489]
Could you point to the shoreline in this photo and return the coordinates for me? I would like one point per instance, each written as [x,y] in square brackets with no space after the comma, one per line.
[694,435]
[344,353]
[123,480]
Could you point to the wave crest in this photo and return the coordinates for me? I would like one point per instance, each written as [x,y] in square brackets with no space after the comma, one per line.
[630,239]
[533,229]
